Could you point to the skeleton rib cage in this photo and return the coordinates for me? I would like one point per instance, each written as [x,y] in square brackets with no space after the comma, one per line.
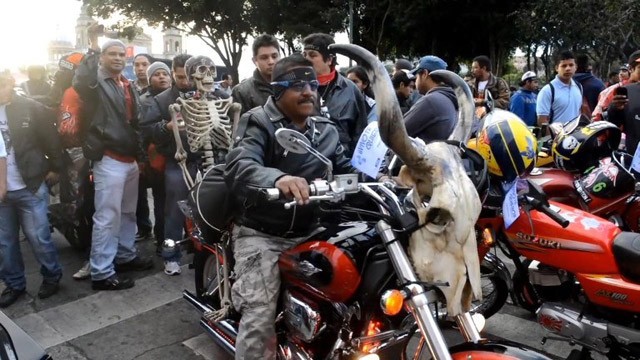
[208,125]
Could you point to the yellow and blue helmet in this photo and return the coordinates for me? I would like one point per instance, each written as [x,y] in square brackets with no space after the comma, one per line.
[507,145]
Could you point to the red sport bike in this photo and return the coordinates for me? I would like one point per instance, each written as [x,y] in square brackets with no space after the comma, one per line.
[581,273]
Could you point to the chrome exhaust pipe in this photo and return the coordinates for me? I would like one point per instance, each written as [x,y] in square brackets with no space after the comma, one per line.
[193,300]
[215,330]
[224,333]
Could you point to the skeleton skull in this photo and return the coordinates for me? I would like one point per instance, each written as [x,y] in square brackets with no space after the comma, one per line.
[202,72]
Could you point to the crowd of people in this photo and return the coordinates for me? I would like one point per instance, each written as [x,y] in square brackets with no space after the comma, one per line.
[125,131]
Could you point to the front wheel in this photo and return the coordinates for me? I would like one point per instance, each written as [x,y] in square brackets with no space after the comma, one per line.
[495,291]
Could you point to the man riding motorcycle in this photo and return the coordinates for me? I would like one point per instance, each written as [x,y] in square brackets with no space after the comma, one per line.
[263,230]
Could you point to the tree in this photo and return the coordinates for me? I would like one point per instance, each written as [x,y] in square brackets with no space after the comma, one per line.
[291,20]
[606,30]
[223,25]
[454,30]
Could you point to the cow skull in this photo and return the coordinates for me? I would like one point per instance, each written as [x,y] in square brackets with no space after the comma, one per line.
[444,248]
[202,71]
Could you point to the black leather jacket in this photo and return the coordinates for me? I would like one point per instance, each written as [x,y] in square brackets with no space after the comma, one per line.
[258,161]
[252,92]
[347,110]
[34,138]
[104,102]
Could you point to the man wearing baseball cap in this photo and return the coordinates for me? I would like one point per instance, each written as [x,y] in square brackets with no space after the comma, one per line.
[523,102]
[434,116]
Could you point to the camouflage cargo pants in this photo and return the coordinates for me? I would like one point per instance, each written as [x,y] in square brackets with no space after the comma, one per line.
[256,289]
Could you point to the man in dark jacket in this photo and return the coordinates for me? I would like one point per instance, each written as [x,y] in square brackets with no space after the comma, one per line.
[32,160]
[625,110]
[265,229]
[339,99]
[256,90]
[155,127]
[434,116]
[483,79]
[591,85]
[401,83]
[113,143]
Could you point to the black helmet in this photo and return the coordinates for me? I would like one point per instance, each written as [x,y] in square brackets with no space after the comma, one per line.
[579,144]
[611,178]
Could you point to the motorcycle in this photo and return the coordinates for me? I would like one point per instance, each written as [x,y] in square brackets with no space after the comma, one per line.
[17,344]
[350,291]
[608,190]
[580,273]
[71,202]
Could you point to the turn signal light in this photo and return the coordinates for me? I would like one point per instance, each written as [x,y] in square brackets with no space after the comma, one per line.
[391,302]
[487,237]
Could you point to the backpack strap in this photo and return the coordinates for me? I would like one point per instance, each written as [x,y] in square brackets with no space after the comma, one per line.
[553,97]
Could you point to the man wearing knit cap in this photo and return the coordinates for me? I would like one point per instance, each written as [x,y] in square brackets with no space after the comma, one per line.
[113,144]
[339,99]
[159,77]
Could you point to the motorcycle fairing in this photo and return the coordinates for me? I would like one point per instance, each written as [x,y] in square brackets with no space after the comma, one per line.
[611,291]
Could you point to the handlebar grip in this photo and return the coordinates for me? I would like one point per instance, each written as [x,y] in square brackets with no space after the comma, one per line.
[271,194]
[555,216]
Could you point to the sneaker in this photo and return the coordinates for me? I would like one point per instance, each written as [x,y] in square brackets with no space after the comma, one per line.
[172,268]
[84,272]
[48,289]
[113,282]
[137,264]
[9,296]
[143,236]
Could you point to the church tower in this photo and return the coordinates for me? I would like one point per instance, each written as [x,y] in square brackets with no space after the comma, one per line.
[172,42]
[82,25]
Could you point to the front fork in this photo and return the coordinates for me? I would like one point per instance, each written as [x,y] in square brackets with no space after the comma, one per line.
[419,299]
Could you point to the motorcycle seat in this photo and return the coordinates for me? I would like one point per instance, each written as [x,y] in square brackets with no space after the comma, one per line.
[626,252]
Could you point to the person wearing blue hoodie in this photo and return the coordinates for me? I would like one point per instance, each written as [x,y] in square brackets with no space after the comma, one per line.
[591,85]
[523,102]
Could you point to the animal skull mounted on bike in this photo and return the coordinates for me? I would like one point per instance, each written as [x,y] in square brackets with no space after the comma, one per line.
[444,248]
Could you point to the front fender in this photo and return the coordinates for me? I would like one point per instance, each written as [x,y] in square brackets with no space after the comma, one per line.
[499,349]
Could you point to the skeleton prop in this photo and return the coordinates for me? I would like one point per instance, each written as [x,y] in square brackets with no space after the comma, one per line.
[208,124]
[444,249]
[206,121]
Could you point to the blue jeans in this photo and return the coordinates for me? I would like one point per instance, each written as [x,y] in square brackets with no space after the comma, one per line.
[22,208]
[175,190]
[114,222]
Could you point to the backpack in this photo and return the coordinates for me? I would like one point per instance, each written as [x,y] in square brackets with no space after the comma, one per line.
[584,106]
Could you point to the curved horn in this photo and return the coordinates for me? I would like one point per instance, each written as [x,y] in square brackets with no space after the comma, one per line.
[390,120]
[466,112]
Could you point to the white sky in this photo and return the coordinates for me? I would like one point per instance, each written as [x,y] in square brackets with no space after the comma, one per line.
[27,26]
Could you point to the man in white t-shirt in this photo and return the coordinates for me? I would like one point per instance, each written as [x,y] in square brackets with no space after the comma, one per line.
[32,149]
[483,79]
